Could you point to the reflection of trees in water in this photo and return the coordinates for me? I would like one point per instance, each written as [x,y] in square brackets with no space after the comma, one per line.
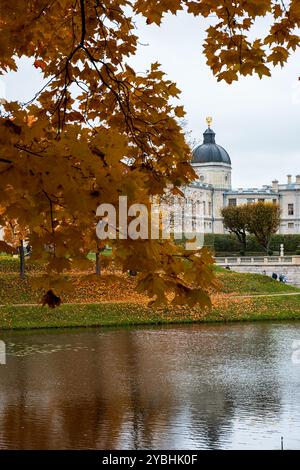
[130,388]
[237,373]
[71,399]
[210,421]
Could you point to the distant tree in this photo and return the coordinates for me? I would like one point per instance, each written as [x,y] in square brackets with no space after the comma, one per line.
[236,221]
[93,245]
[14,236]
[263,222]
[99,252]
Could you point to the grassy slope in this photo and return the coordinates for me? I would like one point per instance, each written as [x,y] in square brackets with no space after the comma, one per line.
[243,283]
[113,314]
[14,291]
[226,307]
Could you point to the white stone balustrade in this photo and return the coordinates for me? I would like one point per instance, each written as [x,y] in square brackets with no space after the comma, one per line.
[288,265]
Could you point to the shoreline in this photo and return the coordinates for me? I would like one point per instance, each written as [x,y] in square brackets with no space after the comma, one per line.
[124,314]
[105,302]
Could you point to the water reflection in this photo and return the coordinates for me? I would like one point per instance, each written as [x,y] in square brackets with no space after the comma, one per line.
[209,386]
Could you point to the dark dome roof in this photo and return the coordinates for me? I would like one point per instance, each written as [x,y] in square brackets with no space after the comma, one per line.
[209,151]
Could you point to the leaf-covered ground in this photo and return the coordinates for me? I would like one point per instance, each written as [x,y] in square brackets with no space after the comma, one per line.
[126,314]
[9,264]
[76,289]
[111,299]
[114,286]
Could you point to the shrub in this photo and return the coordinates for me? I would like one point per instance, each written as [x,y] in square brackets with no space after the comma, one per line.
[227,243]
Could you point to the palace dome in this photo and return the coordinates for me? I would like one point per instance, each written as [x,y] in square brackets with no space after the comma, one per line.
[209,151]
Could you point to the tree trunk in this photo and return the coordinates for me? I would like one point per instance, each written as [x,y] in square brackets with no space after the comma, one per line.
[98,263]
[244,245]
[269,253]
[22,260]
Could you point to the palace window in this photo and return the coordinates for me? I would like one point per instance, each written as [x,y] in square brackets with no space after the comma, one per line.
[291,209]
[232,202]
[290,225]
[250,200]
[209,208]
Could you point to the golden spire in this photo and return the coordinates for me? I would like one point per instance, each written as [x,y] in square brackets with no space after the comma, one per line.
[209,121]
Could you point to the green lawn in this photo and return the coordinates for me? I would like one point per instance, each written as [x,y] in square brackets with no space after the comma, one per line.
[124,314]
[106,252]
[15,291]
[244,283]
[112,312]
[9,265]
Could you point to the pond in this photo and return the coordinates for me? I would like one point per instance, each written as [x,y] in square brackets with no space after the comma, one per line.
[231,386]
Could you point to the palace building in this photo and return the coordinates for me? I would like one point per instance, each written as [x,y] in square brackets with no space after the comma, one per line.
[213,188]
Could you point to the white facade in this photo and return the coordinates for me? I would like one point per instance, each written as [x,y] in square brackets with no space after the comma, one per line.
[217,175]
[213,189]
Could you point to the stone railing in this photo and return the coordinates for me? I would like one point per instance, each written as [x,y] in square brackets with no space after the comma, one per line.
[258,260]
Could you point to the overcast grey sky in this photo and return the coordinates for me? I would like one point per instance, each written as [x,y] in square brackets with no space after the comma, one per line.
[257,121]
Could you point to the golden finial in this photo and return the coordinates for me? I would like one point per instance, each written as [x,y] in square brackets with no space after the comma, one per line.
[209,120]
